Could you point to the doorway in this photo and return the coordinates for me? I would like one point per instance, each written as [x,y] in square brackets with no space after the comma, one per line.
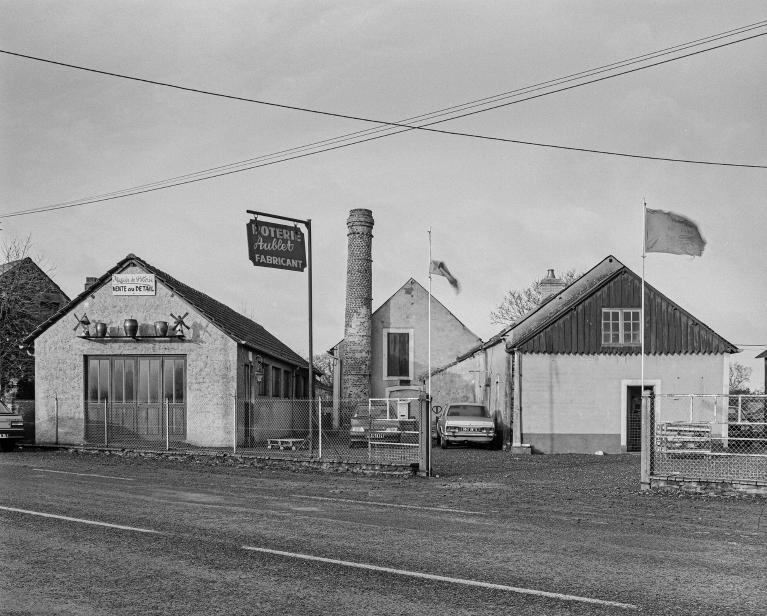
[634,416]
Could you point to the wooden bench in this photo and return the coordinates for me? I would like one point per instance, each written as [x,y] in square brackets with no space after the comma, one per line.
[287,443]
[680,437]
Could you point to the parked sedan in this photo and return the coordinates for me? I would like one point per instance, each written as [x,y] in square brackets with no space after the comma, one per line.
[467,423]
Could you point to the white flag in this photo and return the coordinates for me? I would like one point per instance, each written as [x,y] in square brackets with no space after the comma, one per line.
[672,233]
[439,268]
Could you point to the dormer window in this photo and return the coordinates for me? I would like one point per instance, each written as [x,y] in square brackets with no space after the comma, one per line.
[620,326]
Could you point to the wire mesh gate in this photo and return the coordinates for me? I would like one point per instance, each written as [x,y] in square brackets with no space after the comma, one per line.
[706,438]
[374,430]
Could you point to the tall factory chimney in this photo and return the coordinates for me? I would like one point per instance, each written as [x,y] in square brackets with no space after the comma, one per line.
[355,360]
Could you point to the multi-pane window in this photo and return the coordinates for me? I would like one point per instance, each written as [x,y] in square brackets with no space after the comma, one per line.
[620,326]
[398,354]
[98,379]
[287,382]
[142,379]
[276,382]
[263,381]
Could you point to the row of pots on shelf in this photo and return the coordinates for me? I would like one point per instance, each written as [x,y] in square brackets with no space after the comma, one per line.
[130,327]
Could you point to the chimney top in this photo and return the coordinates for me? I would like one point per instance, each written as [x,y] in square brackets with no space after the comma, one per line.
[90,281]
[551,285]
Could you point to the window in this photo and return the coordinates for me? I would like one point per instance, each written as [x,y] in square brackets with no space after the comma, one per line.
[286,385]
[98,379]
[262,382]
[620,326]
[143,379]
[276,380]
[398,354]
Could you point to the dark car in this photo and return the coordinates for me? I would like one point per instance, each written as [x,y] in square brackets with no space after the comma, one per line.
[466,423]
[383,420]
[11,428]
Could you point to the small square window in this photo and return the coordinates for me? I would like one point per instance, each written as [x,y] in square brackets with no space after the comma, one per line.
[620,326]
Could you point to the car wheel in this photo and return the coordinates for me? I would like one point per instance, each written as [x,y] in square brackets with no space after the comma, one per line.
[7,445]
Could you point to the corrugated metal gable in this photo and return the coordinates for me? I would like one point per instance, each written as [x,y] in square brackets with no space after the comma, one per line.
[669,329]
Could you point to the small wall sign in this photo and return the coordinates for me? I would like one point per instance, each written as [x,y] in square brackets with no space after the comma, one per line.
[133,284]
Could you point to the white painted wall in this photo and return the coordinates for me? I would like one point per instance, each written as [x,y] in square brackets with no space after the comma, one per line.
[585,394]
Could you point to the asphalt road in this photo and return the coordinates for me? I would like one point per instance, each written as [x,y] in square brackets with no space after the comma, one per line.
[91,534]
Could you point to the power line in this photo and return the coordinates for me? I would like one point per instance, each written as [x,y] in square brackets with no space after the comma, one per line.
[383,125]
[445,111]
[349,116]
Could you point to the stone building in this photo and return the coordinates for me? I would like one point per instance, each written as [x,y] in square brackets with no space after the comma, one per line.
[28,296]
[157,358]
[565,378]
[384,353]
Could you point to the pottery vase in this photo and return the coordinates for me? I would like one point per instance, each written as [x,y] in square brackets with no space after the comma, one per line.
[131,327]
[101,329]
[161,328]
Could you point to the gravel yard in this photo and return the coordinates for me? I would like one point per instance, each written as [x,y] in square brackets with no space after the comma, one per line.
[575,524]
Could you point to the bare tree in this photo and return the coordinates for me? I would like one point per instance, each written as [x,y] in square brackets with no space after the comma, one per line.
[326,363]
[739,378]
[518,302]
[27,297]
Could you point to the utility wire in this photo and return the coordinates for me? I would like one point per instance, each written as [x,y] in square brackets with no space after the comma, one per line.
[354,117]
[404,127]
[447,110]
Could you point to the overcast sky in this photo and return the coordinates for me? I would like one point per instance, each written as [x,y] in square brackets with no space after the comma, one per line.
[500,213]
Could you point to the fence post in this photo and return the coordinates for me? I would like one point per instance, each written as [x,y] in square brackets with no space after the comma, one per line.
[56,398]
[740,406]
[167,425]
[106,425]
[234,426]
[319,429]
[647,442]
[692,413]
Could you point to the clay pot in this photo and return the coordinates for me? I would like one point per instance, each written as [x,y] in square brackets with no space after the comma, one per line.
[161,328]
[131,327]
[101,329]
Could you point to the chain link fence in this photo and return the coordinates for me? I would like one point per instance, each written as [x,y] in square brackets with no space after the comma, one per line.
[364,431]
[708,437]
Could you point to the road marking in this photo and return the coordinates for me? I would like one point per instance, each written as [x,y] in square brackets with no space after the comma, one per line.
[46,470]
[80,520]
[397,505]
[442,578]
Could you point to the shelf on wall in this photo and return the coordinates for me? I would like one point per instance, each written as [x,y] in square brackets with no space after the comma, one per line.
[133,338]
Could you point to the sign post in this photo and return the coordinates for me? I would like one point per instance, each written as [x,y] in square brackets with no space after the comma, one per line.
[279,246]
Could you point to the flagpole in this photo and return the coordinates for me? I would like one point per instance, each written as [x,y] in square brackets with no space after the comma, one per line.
[427,428]
[429,361]
[644,256]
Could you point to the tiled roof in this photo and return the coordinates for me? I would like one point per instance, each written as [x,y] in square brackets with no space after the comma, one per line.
[7,267]
[29,263]
[238,327]
[557,302]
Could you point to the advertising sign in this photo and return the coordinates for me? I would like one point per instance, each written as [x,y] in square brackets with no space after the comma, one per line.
[274,245]
[133,284]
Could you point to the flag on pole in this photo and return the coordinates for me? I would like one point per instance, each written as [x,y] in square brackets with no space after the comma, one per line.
[439,268]
[672,233]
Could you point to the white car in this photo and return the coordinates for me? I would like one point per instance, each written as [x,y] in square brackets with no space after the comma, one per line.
[465,422]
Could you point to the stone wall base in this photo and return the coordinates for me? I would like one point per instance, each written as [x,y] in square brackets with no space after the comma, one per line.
[239,460]
[703,486]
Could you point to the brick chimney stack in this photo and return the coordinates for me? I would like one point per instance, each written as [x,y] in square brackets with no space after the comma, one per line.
[551,285]
[90,281]
[355,360]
